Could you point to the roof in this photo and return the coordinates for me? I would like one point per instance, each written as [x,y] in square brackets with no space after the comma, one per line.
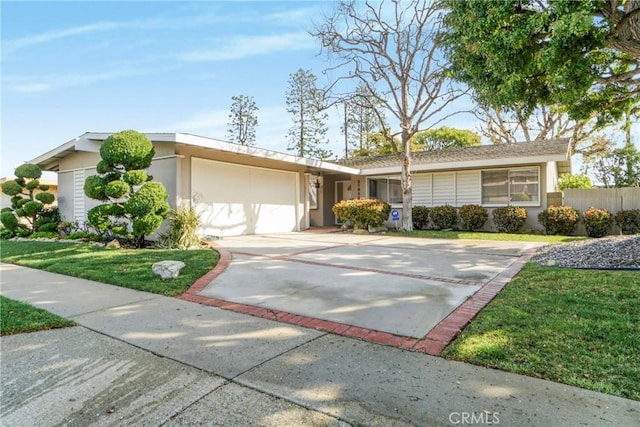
[91,141]
[467,157]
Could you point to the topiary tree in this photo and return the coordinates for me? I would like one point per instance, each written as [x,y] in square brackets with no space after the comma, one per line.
[26,202]
[134,206]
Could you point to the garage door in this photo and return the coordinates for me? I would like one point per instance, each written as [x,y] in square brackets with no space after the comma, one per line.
[234,199]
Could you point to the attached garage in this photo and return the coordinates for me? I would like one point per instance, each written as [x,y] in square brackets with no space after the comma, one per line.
[234,199]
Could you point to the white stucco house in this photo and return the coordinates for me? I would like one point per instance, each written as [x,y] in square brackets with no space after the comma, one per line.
[247,190]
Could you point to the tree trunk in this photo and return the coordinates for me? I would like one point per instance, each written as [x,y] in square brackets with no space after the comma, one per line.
[405,183]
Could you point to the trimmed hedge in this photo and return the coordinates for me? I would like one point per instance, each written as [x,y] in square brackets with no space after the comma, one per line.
[473,217]
[509,219]
[363,212]
[443,217]
[420,216]
[597,222]
[561,220]
[629,221]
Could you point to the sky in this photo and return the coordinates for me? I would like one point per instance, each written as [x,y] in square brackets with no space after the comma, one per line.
[169,66]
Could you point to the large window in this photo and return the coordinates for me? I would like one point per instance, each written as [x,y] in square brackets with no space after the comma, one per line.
[385,189]
[511,187]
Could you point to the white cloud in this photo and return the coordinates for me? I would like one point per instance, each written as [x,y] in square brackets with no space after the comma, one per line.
[32,88]
[10,46]
[239,47]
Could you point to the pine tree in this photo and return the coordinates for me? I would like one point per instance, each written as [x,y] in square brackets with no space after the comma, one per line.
[306,103]
[363,119]
[242,120]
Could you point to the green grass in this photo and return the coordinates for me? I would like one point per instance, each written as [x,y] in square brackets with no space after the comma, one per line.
[129,268]
[577,327]
[480,235]
[17,317]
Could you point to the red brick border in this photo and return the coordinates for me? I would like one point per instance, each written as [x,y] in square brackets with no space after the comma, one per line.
[433,343]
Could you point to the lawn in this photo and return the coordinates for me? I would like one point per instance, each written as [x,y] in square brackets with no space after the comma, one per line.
[577,327]
[480,235]
[17,317]
[129,268]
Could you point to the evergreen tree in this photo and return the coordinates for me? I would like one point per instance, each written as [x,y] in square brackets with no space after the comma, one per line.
[242,120]
[306,104]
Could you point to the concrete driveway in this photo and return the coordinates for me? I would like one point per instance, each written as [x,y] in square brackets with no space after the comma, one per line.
[396,285]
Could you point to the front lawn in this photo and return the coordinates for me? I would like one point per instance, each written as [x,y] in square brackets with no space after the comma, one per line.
[577,327]
[129,268]
[484,235]
[17,317]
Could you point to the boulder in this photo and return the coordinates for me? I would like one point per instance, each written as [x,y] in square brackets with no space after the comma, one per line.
[167,269]
[114,244]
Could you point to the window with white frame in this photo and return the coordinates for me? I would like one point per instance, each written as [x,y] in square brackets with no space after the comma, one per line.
[386,189]
[511,187]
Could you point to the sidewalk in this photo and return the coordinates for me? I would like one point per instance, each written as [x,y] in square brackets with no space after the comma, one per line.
[147,359]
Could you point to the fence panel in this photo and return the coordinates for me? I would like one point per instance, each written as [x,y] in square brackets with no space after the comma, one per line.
[611,199]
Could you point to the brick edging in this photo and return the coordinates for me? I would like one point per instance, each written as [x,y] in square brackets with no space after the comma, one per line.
[433,343]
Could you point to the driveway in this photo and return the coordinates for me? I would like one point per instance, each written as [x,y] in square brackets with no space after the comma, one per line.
[396,285]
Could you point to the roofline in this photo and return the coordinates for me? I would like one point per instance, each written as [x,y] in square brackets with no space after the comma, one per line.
[468,164]
[199,141]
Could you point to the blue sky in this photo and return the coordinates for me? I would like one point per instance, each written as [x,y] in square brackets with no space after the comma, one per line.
[72,67]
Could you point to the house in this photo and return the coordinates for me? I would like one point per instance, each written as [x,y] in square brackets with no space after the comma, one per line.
[247,190]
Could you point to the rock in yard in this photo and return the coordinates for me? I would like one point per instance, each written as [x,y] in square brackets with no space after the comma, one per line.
[167,269]
[114,244]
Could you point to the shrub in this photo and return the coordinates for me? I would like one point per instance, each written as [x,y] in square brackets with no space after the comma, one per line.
[182,230]
[573,181]
[420,215]
[559,220]
[629,221]
[9,220]
[5,233]
[509,219]
[597,222]
[25,202]
[444,217]
[473,217]
[84,235]
[44,235]
[363,212]
[129,210]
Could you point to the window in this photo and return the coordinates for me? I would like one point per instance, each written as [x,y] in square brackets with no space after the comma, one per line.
[385,189]
[511,187]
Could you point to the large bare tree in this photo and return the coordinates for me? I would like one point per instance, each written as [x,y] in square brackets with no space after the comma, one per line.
[391,48]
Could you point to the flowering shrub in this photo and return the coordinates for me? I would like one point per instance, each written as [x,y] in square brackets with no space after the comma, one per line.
[597,222]
[509,219]
[363,212]
[420,215]
[443,217]
[629,221]
[559,219]
[473,217]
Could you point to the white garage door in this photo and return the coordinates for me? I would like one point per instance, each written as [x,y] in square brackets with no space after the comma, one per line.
[234,199]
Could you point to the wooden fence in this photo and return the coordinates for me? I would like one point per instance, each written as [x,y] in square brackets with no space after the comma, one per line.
[611,199]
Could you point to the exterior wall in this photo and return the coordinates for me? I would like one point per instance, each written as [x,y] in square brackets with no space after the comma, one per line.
[461,187]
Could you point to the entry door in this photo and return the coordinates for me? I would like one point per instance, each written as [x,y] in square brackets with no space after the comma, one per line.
[343,192]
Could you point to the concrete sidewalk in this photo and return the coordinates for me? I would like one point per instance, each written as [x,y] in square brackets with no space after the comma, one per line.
[144,359]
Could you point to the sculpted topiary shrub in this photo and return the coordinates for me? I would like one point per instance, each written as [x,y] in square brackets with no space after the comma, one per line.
[629,221]
[30,201]
[443,217]
[509,219]
[559,220]
[363,212]
[420,216]
[597,222]
[135,206]
[473,217]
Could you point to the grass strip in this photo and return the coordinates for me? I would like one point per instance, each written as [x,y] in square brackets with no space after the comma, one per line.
[18,317]
[577,327]
[128,268]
